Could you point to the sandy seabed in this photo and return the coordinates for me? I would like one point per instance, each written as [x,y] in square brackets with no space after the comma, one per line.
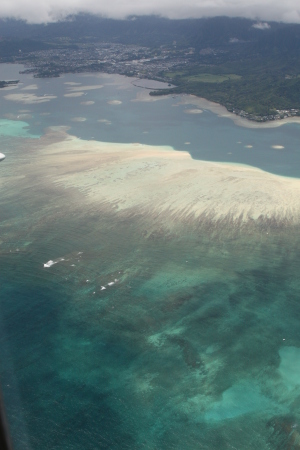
[125,298]
[160,180]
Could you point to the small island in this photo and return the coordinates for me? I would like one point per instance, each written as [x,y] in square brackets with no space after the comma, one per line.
[4,84]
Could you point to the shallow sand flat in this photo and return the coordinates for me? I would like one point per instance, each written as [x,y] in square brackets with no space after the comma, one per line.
[74,94]
[29,99]
[88,103]
[193,111]
[72,83]
[85,88]
[30,87]
[24,116]
[160,180]
[114,102]
[78,119]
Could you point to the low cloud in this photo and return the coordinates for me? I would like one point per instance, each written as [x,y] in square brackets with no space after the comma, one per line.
[53,10]
[261,25]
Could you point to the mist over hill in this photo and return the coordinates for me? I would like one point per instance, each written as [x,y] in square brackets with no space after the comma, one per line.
[155,31]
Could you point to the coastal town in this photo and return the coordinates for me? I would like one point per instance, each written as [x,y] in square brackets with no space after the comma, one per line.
[130,60]
[280,114]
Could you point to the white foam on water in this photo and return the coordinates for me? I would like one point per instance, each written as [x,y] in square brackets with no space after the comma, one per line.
[52,262]
[49,263]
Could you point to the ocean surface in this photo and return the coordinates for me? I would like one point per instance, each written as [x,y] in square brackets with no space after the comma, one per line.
[195,341]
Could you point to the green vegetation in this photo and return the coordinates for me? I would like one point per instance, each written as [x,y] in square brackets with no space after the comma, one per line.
[206,78]
[258,86]
[4,84]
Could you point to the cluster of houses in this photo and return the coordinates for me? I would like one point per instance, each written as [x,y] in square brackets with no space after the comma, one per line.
[280,114]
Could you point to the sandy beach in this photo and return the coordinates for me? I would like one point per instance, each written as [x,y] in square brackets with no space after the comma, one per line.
[221,111]
[216,108]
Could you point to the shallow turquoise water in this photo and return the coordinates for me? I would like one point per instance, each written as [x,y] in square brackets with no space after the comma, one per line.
[14,128]
[196,344]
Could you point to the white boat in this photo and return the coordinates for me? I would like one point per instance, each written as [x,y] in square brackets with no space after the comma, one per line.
[2,156]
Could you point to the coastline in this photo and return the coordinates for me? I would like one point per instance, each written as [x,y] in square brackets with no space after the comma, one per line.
[221,111]
[216,108]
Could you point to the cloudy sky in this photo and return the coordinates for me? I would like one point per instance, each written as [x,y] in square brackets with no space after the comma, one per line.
[50,10]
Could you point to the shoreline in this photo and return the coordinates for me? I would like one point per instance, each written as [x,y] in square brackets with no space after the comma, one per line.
[144,95]
[216,108]
[221,111]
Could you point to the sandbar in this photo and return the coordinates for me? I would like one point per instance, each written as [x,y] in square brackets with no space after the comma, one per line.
[29,99]
[78,119]
[105,121]
[24,116]
[85,88]
[162,182]
[88,103]
[193,111]
[114,102]
[72,83]
[30,87]
[74,94]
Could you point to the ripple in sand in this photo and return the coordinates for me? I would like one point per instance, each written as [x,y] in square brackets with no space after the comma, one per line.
[193,111]
[277,147]
[114,102]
